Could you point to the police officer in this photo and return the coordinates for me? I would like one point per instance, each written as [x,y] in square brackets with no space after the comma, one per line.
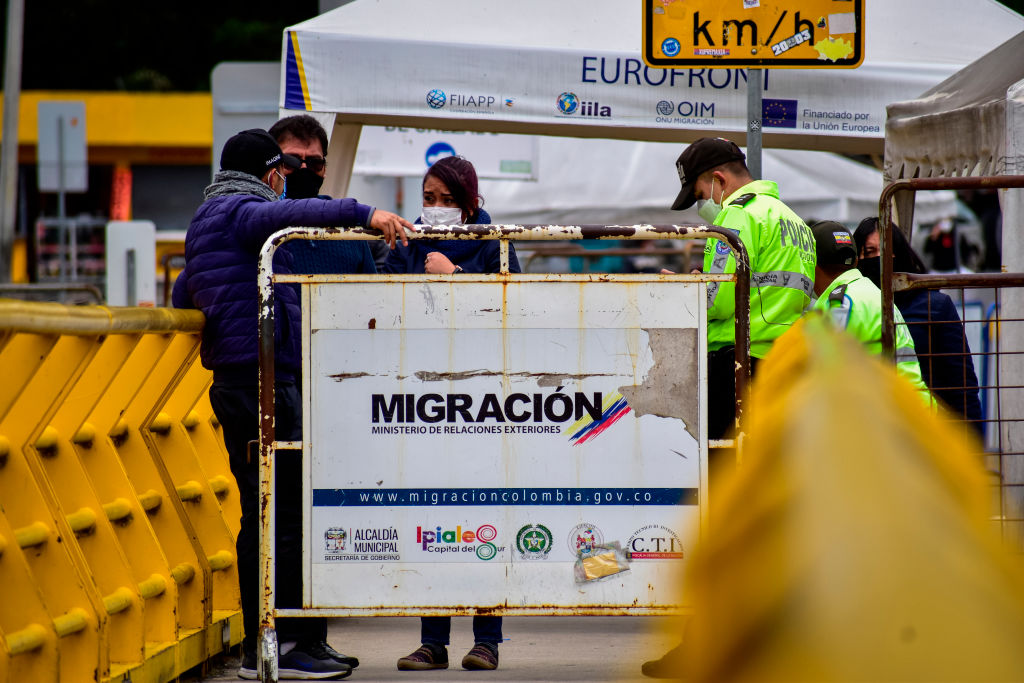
[854,303]
[714,174]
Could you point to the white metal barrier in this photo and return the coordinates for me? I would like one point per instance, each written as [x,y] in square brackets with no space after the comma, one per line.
[482,443]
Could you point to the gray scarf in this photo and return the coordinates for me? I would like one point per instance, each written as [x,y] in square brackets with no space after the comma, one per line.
[227,183]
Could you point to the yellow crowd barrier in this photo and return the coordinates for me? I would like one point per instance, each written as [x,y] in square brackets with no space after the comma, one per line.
[855,542]
[118,511]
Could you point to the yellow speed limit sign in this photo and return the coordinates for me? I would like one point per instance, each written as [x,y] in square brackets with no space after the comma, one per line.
[798,34]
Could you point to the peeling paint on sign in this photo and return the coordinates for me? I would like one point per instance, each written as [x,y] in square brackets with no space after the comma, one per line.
[670,388]
[543,379]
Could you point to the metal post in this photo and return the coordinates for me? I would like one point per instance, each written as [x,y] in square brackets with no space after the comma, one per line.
[73,249]
[9,148]
[131,297]
[62,226]
[266,655]
[503,255]
[754,110]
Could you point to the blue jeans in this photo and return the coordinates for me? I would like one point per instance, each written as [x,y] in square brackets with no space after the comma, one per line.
[436,630]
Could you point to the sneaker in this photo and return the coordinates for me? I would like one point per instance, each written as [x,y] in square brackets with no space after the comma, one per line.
[299,664]
[426,657]
[483,656]
[247,671]
[321,650]
[669,666]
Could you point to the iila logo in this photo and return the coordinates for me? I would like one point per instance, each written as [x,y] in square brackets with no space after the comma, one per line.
[568,104]
[452,540]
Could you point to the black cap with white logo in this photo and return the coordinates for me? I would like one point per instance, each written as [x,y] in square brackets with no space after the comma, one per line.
[254,151]
[703,155]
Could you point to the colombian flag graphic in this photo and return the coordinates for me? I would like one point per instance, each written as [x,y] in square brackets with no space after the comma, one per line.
[587,428]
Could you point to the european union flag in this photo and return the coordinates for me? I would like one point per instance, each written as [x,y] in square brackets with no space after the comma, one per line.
[778,113]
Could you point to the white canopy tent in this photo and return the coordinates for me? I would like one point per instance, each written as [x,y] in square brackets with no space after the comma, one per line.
[503,67]
[620,181]
[971,124]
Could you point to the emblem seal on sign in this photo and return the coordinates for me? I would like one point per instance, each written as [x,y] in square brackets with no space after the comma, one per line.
[534,542]
[334,539]
[584,538]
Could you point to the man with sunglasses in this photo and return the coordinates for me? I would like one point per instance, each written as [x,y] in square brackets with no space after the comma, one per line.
[303,137]
[239,213]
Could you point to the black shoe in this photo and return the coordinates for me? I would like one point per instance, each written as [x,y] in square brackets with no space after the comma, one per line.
[425,657]
[483,657]
[669,666]
[302,663]
[247,670]
[323,650]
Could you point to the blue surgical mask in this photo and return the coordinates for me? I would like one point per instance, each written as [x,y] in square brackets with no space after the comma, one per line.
[284,187]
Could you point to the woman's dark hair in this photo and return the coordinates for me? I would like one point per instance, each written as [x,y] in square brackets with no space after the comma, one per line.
[459,176]
[905,259]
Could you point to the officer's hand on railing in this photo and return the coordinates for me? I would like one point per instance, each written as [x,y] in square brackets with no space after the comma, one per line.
[392,225]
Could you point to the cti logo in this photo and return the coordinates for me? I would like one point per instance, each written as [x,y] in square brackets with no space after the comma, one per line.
[438,540]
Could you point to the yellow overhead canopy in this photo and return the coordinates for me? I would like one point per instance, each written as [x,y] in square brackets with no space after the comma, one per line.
[132,127]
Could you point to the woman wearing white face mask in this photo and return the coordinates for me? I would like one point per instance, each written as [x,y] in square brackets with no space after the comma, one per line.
[450,197]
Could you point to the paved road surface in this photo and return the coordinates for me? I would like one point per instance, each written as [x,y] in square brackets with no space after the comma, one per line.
[536,649]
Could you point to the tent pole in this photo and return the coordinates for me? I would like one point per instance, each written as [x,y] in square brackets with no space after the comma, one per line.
[9,149]
[754,122]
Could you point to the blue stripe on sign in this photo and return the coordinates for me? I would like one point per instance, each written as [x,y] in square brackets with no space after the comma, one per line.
[503,496]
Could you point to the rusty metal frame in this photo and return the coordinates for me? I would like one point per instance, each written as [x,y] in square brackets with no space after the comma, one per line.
[922,282]
[576,251]
[896,282]
[266,279]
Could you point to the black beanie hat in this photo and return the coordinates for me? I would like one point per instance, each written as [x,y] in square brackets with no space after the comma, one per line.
[254,151]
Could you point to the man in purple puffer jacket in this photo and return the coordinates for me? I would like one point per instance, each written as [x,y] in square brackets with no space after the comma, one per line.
[222,248]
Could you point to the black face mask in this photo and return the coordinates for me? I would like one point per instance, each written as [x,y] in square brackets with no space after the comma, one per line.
[871,268]
[303,184]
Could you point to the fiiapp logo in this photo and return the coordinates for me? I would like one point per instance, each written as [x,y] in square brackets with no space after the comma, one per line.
[456,540]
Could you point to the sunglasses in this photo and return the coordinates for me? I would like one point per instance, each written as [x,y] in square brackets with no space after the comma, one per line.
[315,164]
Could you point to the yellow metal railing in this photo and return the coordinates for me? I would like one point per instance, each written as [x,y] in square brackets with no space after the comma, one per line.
[119,511]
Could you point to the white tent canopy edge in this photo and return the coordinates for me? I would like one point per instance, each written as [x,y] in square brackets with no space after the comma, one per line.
[971,124]
[503,67]
[620,181]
